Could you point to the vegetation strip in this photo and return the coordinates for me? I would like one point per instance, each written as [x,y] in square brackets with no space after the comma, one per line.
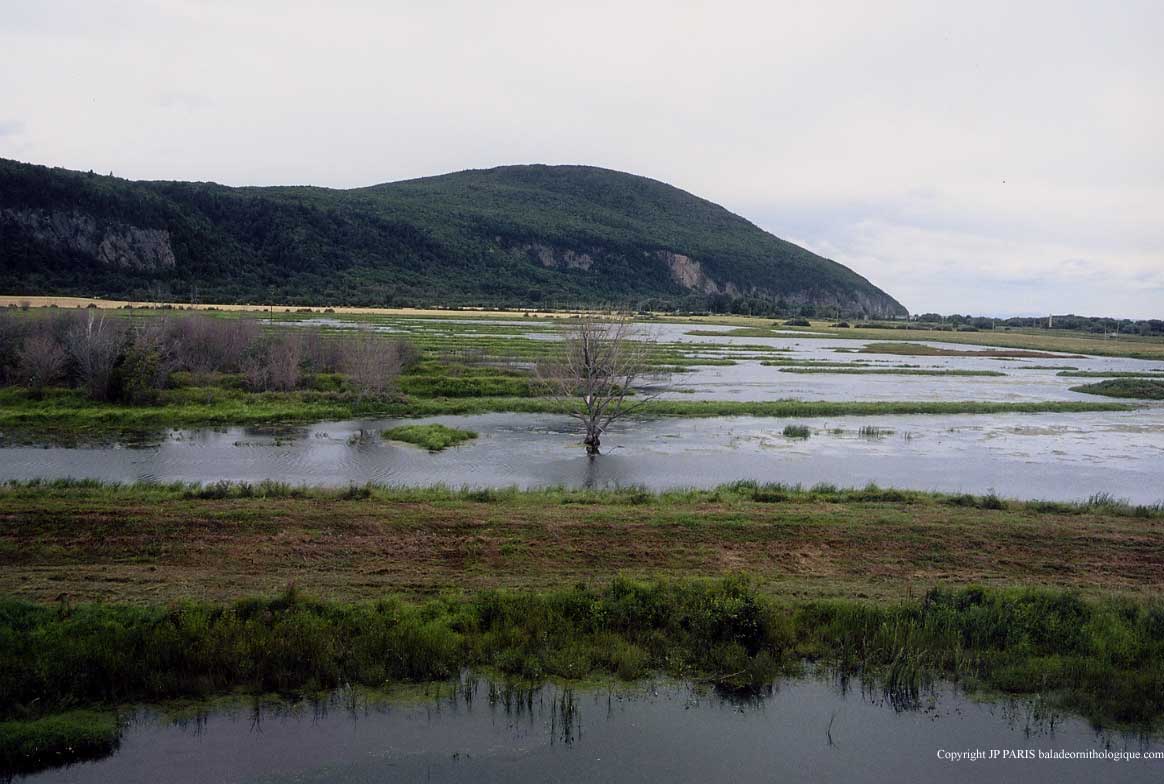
[878,371]
[1101,658]
[1154,374]
[924,350]
[792,559]
[192,407]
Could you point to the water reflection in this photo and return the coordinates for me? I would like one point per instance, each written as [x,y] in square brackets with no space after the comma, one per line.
[475,729]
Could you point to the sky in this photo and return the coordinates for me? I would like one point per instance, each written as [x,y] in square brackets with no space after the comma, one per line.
[981,157]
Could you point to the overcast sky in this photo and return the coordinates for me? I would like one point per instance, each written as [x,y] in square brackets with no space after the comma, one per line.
[986,157]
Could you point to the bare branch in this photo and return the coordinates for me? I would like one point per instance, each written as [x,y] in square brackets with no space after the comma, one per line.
[597,370]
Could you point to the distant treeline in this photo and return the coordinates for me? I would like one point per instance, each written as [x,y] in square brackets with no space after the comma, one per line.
[1093,324]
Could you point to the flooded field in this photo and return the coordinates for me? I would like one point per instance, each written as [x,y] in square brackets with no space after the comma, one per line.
[1044,456]
[661,732]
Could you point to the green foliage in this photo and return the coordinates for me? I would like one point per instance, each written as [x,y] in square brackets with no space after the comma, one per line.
[1140,388]
[514,235]
[432,437]
[1103,658]
[54,740]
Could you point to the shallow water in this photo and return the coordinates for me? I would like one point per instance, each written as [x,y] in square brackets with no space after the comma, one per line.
[805,730]
[1030,379]
[1043,456]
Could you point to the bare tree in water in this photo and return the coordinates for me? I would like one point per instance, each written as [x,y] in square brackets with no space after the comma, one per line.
[597,369]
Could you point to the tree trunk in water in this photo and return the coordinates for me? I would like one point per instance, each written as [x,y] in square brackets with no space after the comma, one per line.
[592,441]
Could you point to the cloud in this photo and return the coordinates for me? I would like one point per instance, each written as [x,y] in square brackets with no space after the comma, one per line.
[988,143]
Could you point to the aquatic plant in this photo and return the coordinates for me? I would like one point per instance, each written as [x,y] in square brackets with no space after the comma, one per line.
[432,437]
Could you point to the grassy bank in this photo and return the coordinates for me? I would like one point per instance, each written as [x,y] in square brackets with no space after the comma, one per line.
[1104,659]
[432,437]
[1139,388]
[71,411]
[56,739]
[924,350]
[1041,340]
[1112,374]
[150,543]
[123,593]
[881,371]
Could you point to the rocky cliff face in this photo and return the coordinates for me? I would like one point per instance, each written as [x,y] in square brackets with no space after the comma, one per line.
[689,274]
[113,244]
[554,258]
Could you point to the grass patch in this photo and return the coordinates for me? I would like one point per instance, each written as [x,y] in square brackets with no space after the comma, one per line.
[891,371]
[34,744]
[796,431]
[432,437]
[1156,374]
[1140,388]
[69,411]
[923,350]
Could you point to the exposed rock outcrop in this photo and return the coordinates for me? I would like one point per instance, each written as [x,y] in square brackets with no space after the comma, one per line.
[554,259]
[689,274]
[112,244]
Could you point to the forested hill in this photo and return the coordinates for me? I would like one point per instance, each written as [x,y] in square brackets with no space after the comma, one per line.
[522,236]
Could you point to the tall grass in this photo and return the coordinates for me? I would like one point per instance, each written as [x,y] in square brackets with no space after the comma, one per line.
[26,746]
[1102,658]
[743,491]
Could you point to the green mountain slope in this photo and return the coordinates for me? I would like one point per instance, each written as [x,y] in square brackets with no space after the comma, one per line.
[513,235]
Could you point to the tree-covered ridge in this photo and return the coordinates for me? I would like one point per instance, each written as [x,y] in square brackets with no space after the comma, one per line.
[515,235]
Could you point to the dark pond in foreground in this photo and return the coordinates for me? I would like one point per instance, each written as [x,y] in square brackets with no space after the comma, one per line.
[805,730]
[1042,456]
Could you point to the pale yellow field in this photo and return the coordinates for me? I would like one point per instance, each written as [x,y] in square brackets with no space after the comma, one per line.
[114,304]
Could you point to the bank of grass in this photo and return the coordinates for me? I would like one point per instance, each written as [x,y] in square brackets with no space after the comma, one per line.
[87,491]
[432,437]
[560,583]
[69,411]
[56,739]
[884,371]
[147,543]
[1101,658]
[924,350]
[1154,374]
[1138,388]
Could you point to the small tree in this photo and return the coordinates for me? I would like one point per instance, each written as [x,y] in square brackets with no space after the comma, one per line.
[597,368]
[285,359]
[371,364]
[94,344]
[145,364]
[41,361]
